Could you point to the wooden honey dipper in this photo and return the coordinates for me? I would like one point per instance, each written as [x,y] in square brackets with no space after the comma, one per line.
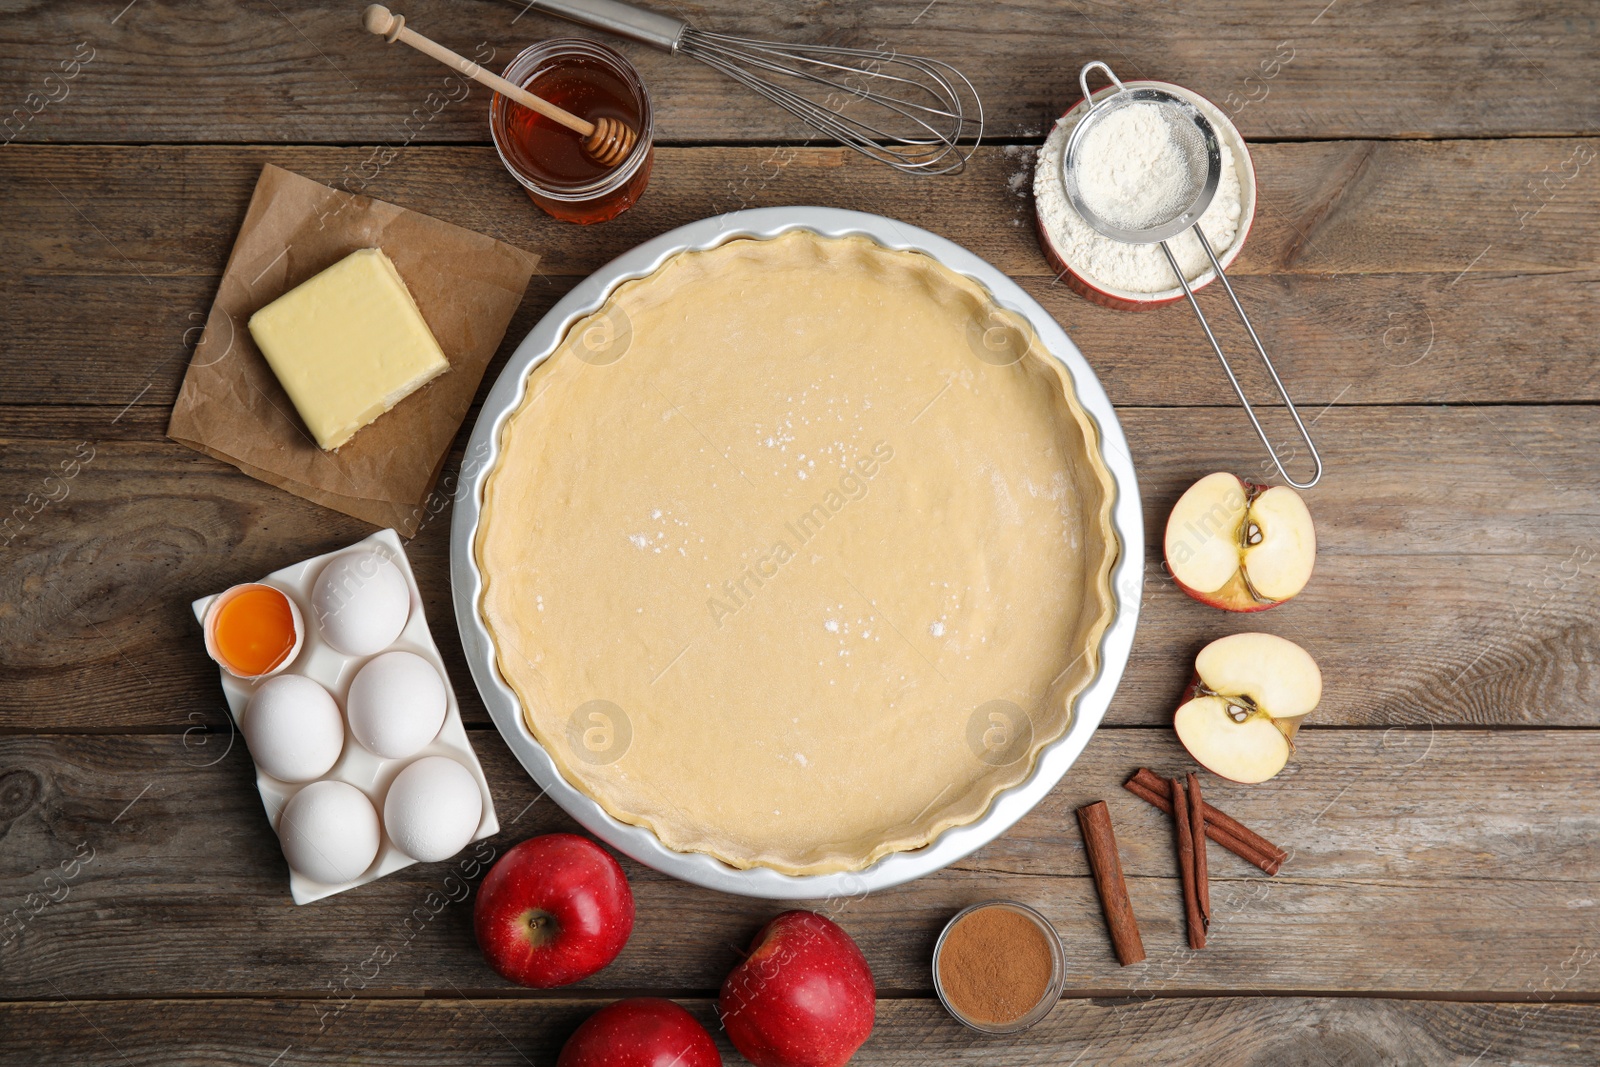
[606,142]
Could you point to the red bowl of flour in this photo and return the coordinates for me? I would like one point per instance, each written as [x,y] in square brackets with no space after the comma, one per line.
[1082,282]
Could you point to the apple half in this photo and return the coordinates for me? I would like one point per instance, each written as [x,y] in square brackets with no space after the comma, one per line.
[1238,546]
[1249,695]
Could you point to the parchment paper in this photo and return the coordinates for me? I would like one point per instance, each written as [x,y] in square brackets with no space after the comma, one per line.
[231,406]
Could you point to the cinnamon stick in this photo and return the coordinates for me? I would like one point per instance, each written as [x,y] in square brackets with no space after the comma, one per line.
[1159,797]
[1185,839]
[1197,823]
[1220,826]
[1101,845]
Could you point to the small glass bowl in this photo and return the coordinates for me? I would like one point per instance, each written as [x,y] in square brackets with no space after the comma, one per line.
[1052,992]
[602,198]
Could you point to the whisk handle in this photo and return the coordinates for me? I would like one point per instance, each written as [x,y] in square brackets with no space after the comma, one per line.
[624,20]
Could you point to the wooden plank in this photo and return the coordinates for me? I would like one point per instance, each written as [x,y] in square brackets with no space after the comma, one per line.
[1457,540]
[472,1031]
[1392,834]
[1354,339]
[1348,275]
[306,72]
[1362,207]
[1357,339]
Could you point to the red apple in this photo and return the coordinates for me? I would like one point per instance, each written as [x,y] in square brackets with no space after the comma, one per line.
[802,998]
[1238,546]
[642,1032]
[553,910]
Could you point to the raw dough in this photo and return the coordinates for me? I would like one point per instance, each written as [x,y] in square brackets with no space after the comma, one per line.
[781,543]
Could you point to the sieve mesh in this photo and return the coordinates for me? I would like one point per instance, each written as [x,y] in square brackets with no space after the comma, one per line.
[1161,193]
[1171,182]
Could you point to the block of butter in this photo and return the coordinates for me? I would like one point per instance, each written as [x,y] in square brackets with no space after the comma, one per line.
[348,345]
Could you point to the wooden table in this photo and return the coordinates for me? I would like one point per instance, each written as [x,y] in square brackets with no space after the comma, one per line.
[1424,263]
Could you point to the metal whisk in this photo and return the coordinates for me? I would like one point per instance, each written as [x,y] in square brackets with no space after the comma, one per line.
[926,116]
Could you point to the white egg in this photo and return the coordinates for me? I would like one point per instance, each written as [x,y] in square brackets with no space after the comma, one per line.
[329,832]
[396,704]
[432,809]
[293,728]
[361,601]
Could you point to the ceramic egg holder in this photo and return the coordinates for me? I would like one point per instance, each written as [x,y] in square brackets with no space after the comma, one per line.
[322,663]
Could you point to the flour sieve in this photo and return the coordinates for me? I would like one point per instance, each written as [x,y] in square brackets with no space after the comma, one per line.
[1194,171]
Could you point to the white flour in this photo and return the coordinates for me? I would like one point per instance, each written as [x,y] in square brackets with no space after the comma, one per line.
[1139,178]
[1133,173]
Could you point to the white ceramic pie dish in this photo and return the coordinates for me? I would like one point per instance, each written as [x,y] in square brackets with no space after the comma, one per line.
[640,843]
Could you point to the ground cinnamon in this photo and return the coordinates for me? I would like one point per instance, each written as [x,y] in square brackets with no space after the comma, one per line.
[994,965]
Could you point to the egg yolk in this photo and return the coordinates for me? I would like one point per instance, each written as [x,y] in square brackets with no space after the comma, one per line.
[254,631]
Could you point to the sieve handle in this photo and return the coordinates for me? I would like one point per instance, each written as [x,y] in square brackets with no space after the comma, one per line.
[1222,277]
[1083,80]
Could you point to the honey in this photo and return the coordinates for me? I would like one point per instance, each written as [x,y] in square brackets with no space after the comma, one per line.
[254,630]
[592,82]
[548,151]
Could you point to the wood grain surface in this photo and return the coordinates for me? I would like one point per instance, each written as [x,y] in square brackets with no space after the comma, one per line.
[1423,264]
[457,1028]
[294,71]
[1392,836]
[1362,295]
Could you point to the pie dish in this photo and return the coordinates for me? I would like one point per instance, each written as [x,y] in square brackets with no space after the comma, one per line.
[796,552]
